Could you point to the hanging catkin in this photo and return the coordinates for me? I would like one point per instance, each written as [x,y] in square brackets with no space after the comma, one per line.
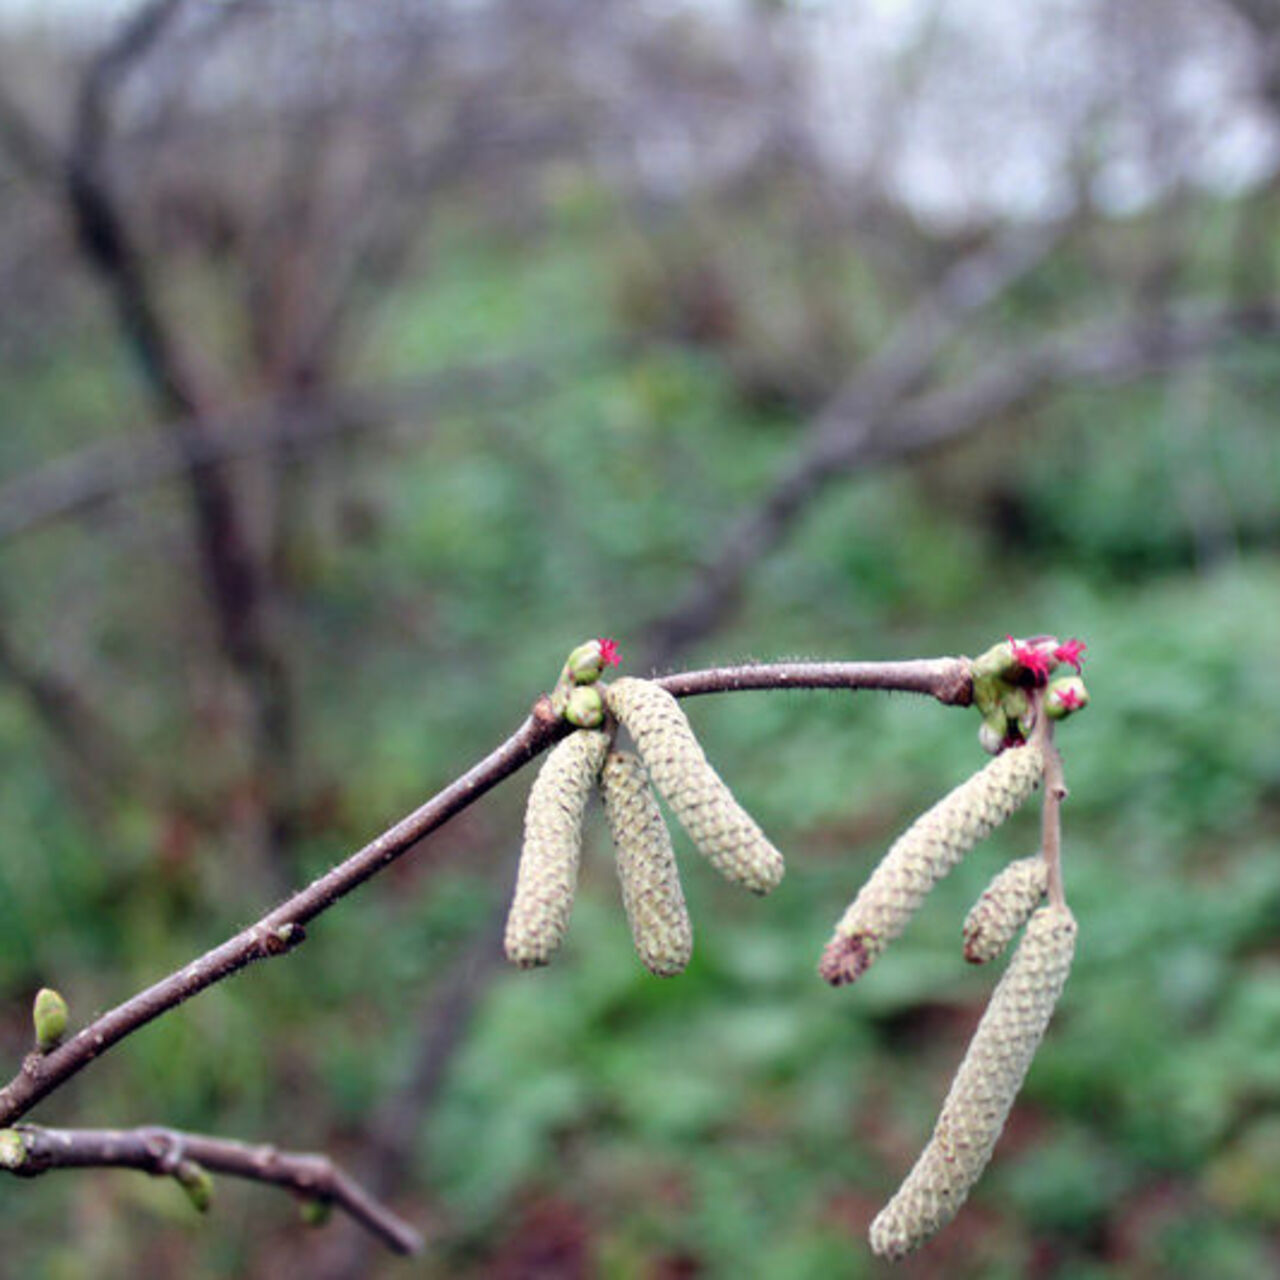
[647,870]
[922,855]
[548,874]
[716,823]
[1005,906]
[984,1088]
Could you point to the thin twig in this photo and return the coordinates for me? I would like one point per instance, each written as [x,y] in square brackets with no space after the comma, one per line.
[281,929]
[1055,792]
[946,679]
[161,1151]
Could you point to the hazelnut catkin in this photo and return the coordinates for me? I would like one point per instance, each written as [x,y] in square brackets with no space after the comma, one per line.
[984,1088]
[721,829]
[922,855]
[548,874]
[1005,906]
[647,870]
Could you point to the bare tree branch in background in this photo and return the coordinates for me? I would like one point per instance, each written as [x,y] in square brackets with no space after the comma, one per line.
[79,482]
[27,1151]
[391,1138]
[895,371]
[234,582]
[851,433]
[99,761]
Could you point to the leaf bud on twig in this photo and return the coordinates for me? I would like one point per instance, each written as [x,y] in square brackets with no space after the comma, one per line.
[984,1087]
[997,662]
[315,1212]
[13,1149]
[647,869]
[922,855]
[992,731]
[548,873]
[49,1014]
[717,824]
[197,1182]
[1005,906]
[584,707]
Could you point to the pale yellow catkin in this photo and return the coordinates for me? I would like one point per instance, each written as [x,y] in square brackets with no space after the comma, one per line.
[647,871]
[720,828]
[548,874]
[1005,906]
[922,855]
[984,1088]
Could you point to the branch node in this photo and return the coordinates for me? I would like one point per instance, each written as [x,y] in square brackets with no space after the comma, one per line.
[284,937]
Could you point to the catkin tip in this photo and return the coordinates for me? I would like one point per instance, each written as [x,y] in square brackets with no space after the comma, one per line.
[845,960]
[1004,907]
[926,852]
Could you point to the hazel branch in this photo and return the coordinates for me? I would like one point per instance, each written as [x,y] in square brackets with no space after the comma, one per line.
[30,1150]
[946,679]
[1055,792]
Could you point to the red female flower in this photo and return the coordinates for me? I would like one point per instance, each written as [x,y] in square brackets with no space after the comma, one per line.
[1069,652]
[609,652]
[1038,663]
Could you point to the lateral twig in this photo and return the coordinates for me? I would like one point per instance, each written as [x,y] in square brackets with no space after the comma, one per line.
[1055,792]
[32,1150]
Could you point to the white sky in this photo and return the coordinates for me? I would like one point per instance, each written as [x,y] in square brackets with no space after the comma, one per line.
[990,127]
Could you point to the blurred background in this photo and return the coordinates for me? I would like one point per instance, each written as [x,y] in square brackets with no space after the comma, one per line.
[359,357]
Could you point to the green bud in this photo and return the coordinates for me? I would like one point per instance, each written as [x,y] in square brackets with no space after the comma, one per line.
[991,734]
[13,1150]
[987,693]
[584,707]
[315,1213]
[196,1181]
[1015,703]
[49,1013]
[1017,707]
[586,663]
[1065,696]
[997,662]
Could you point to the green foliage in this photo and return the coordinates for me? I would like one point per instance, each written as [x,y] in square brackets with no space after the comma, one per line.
[743,1118]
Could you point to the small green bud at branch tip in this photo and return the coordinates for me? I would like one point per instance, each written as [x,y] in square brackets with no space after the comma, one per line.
[49,1013]
[13,1150]
[998,661]
[587,662]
